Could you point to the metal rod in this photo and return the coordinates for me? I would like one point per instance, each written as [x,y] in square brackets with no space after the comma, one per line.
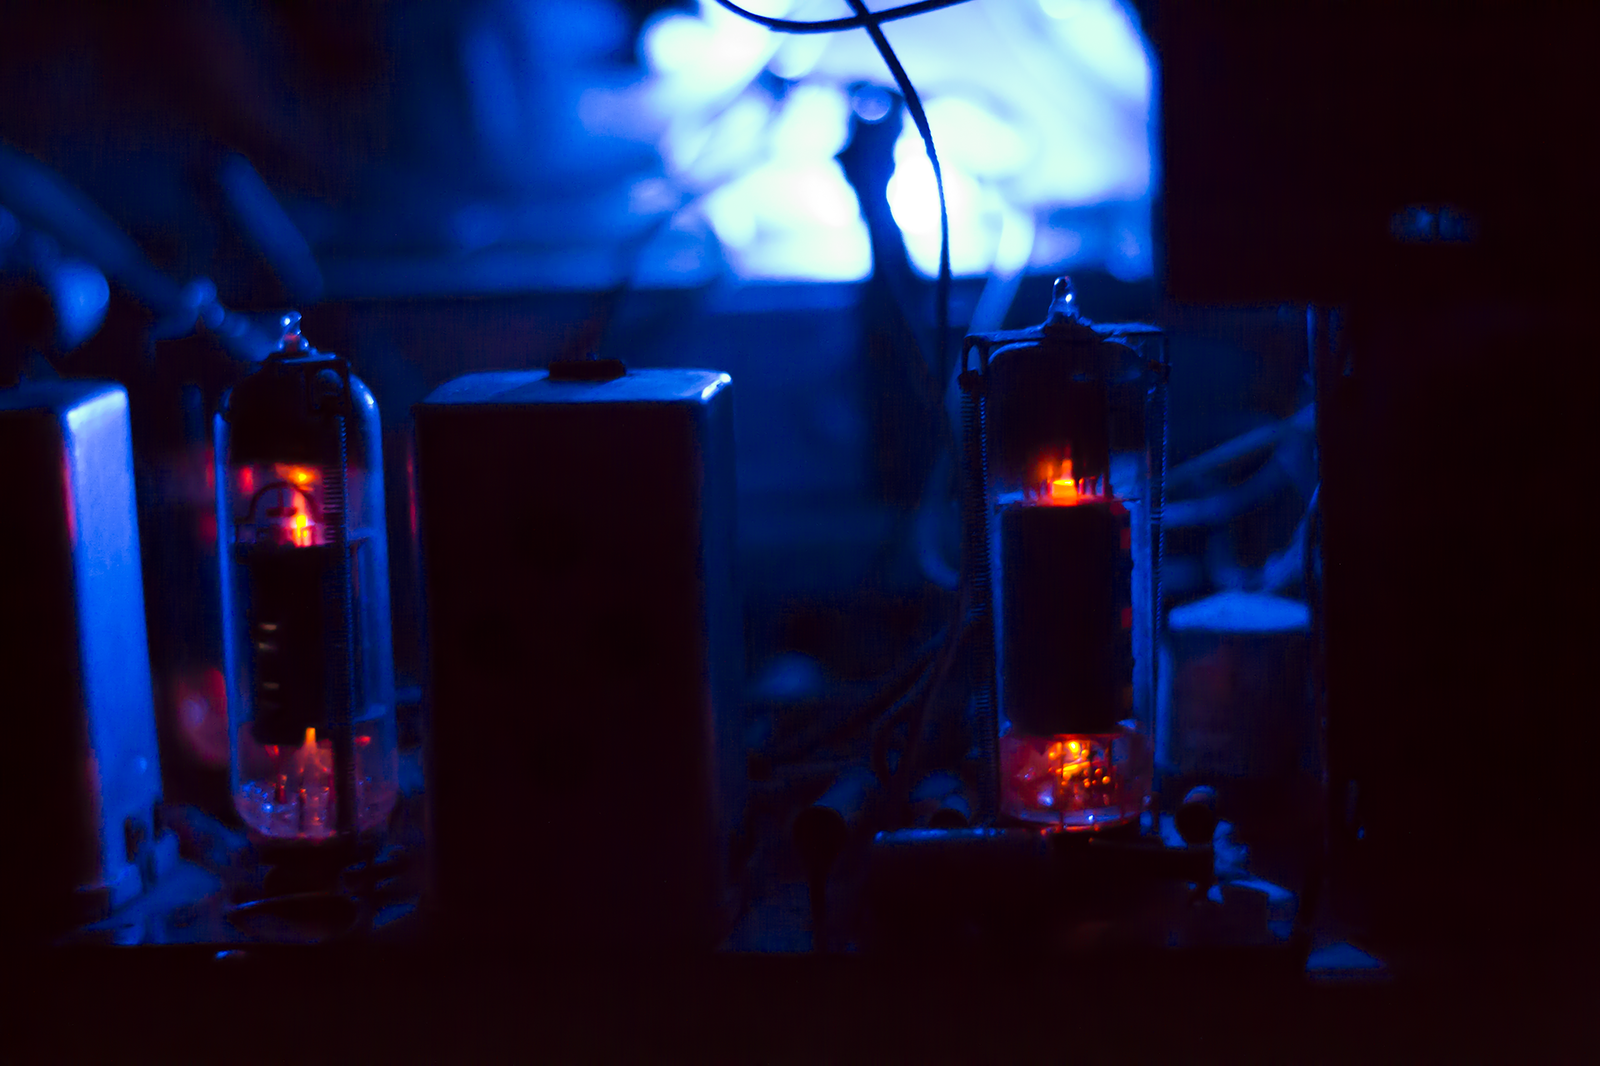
[976,514]
[1321,354]
[337,486]
[1158,499]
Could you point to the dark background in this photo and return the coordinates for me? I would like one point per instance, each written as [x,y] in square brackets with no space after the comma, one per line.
[1452,393]
[1453,372]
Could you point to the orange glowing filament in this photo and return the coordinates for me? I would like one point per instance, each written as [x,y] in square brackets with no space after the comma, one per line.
[1067,759]
[1057,483]
[1055,476]
[1064,489]
[301,476]
[311,762]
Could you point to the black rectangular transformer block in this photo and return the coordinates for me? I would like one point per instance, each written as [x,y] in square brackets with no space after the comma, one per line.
[584,762]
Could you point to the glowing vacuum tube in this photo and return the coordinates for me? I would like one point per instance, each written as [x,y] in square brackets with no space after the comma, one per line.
[1074,430]
[305,588]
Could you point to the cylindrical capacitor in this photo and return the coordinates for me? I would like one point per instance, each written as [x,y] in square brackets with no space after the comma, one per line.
[1066,656]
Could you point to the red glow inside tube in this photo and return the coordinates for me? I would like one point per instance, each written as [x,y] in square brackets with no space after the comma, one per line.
[1076,782]
[1056,484]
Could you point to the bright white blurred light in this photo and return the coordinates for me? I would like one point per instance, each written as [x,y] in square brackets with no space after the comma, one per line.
[808,256]
[1054,246]
[676,44]
[731,210]
[1065,9]
[799,195]
[700,58]
[797,55]
[792,220]
[1016,242]
[913,192]
[826,196]
[975,139]
[814,124]
[914,202]
[1058,118]
[1100,36]
[705,154]
[779,204]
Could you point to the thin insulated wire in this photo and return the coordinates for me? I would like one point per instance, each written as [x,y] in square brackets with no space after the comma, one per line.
[336,488]
[887,697]
[920,117]
[870,21]
[835,25]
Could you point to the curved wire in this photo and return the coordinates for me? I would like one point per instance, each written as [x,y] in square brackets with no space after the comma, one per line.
[834,25]
[920,117]
[914,702]
[871,22]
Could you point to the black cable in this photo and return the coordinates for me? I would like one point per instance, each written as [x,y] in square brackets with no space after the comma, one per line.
[914,702]
[920,117]
[870,21]
[835,25]
[917,701]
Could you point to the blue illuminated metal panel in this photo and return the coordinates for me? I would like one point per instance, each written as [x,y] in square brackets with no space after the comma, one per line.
[583,644]
[83,778]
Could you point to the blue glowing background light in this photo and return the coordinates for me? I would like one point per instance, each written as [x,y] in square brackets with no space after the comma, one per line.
[1040,110]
